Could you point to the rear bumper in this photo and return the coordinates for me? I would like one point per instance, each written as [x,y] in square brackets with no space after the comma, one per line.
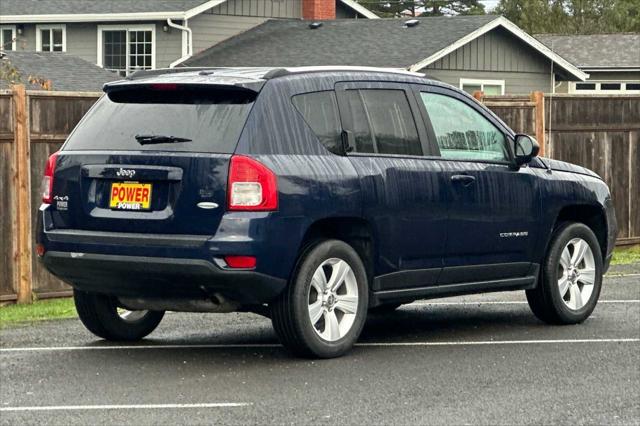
[147,265]
[159,277]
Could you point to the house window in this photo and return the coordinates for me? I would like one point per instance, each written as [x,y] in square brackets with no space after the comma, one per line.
[619,87]
[7,37]
[586,86]
[488,87]
[51,38]
[610,86]
[126,49]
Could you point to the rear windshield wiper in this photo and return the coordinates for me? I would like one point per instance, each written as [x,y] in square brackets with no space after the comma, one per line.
[151,139]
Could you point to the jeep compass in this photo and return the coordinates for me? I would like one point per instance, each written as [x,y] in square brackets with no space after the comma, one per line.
[311,196]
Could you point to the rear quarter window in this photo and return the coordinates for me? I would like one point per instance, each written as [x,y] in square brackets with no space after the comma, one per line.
[320,111]
[210,118]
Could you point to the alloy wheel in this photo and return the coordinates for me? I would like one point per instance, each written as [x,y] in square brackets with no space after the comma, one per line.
[577,274]
[333,299]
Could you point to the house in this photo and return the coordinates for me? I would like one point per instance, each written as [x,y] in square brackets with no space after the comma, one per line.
[611,60]
[128,35]
[56,70]
[484,52]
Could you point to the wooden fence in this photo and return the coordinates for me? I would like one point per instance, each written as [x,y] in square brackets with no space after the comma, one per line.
[33,125]
[598,132]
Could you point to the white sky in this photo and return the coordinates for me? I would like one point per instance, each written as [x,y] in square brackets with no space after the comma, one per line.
[489,4]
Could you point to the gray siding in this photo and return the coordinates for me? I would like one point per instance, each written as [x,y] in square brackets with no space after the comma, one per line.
[82,41]
[497,55]
[211,29]
[260,8]
[514,82]
[168,45]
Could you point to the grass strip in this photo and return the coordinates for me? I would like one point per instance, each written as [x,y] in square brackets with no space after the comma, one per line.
[626,255]
[37,311]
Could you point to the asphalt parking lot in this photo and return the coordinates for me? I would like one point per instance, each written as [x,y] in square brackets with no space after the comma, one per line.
[470,360]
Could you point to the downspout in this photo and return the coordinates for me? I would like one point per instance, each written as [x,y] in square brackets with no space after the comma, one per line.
[188,52]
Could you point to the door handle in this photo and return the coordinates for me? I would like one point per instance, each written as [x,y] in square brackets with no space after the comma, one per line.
[465,180]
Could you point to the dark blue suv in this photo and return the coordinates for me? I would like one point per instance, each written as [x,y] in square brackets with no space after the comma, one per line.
[312,196]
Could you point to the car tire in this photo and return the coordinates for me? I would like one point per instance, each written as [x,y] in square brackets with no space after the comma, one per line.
[323,309]
[99,314]
[571,277]
[384,309]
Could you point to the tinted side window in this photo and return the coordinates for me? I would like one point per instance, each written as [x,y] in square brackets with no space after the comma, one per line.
[320,111]
[359,123]
[463,133]
[382,122]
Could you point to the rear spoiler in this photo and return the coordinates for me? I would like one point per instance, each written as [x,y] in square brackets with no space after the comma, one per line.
[189,92]
[203,79]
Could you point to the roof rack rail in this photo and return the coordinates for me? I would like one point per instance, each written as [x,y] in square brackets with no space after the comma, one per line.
[284,71]
[149,73]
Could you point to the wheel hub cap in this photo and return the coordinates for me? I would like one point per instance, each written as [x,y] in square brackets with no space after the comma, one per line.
[333,299]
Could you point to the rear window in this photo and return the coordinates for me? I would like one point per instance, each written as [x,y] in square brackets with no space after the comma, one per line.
[165,118]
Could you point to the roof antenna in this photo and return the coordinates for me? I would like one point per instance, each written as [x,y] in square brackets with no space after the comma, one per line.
[411,23]
[315,25]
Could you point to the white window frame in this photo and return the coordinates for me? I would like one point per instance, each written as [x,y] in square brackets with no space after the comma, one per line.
[623,87]
[40,28]
[481,82]
[13,36]
[128,29]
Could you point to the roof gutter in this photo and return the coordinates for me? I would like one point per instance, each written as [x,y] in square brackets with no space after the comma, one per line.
[90,17]
[110,17]
[187,41]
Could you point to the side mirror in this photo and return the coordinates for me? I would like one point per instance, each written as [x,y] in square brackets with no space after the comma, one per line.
[525,148]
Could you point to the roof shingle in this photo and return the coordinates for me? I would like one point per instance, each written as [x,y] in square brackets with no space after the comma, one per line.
[378,43]
[66,72]
[596,50]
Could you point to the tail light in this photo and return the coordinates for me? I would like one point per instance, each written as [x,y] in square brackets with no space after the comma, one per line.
[251,185]
[47,179]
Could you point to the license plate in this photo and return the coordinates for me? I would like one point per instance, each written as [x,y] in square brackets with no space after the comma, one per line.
[130,196]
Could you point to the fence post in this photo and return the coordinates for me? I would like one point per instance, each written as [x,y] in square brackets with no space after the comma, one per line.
[538,99]
[22,187]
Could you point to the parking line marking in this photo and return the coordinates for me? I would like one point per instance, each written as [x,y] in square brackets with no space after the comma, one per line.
[123,347]
[618,275]
[500,342]
[506,302]
[274,345]
[125,406]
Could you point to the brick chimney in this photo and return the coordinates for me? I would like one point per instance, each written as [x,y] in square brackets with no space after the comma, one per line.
[318,9]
